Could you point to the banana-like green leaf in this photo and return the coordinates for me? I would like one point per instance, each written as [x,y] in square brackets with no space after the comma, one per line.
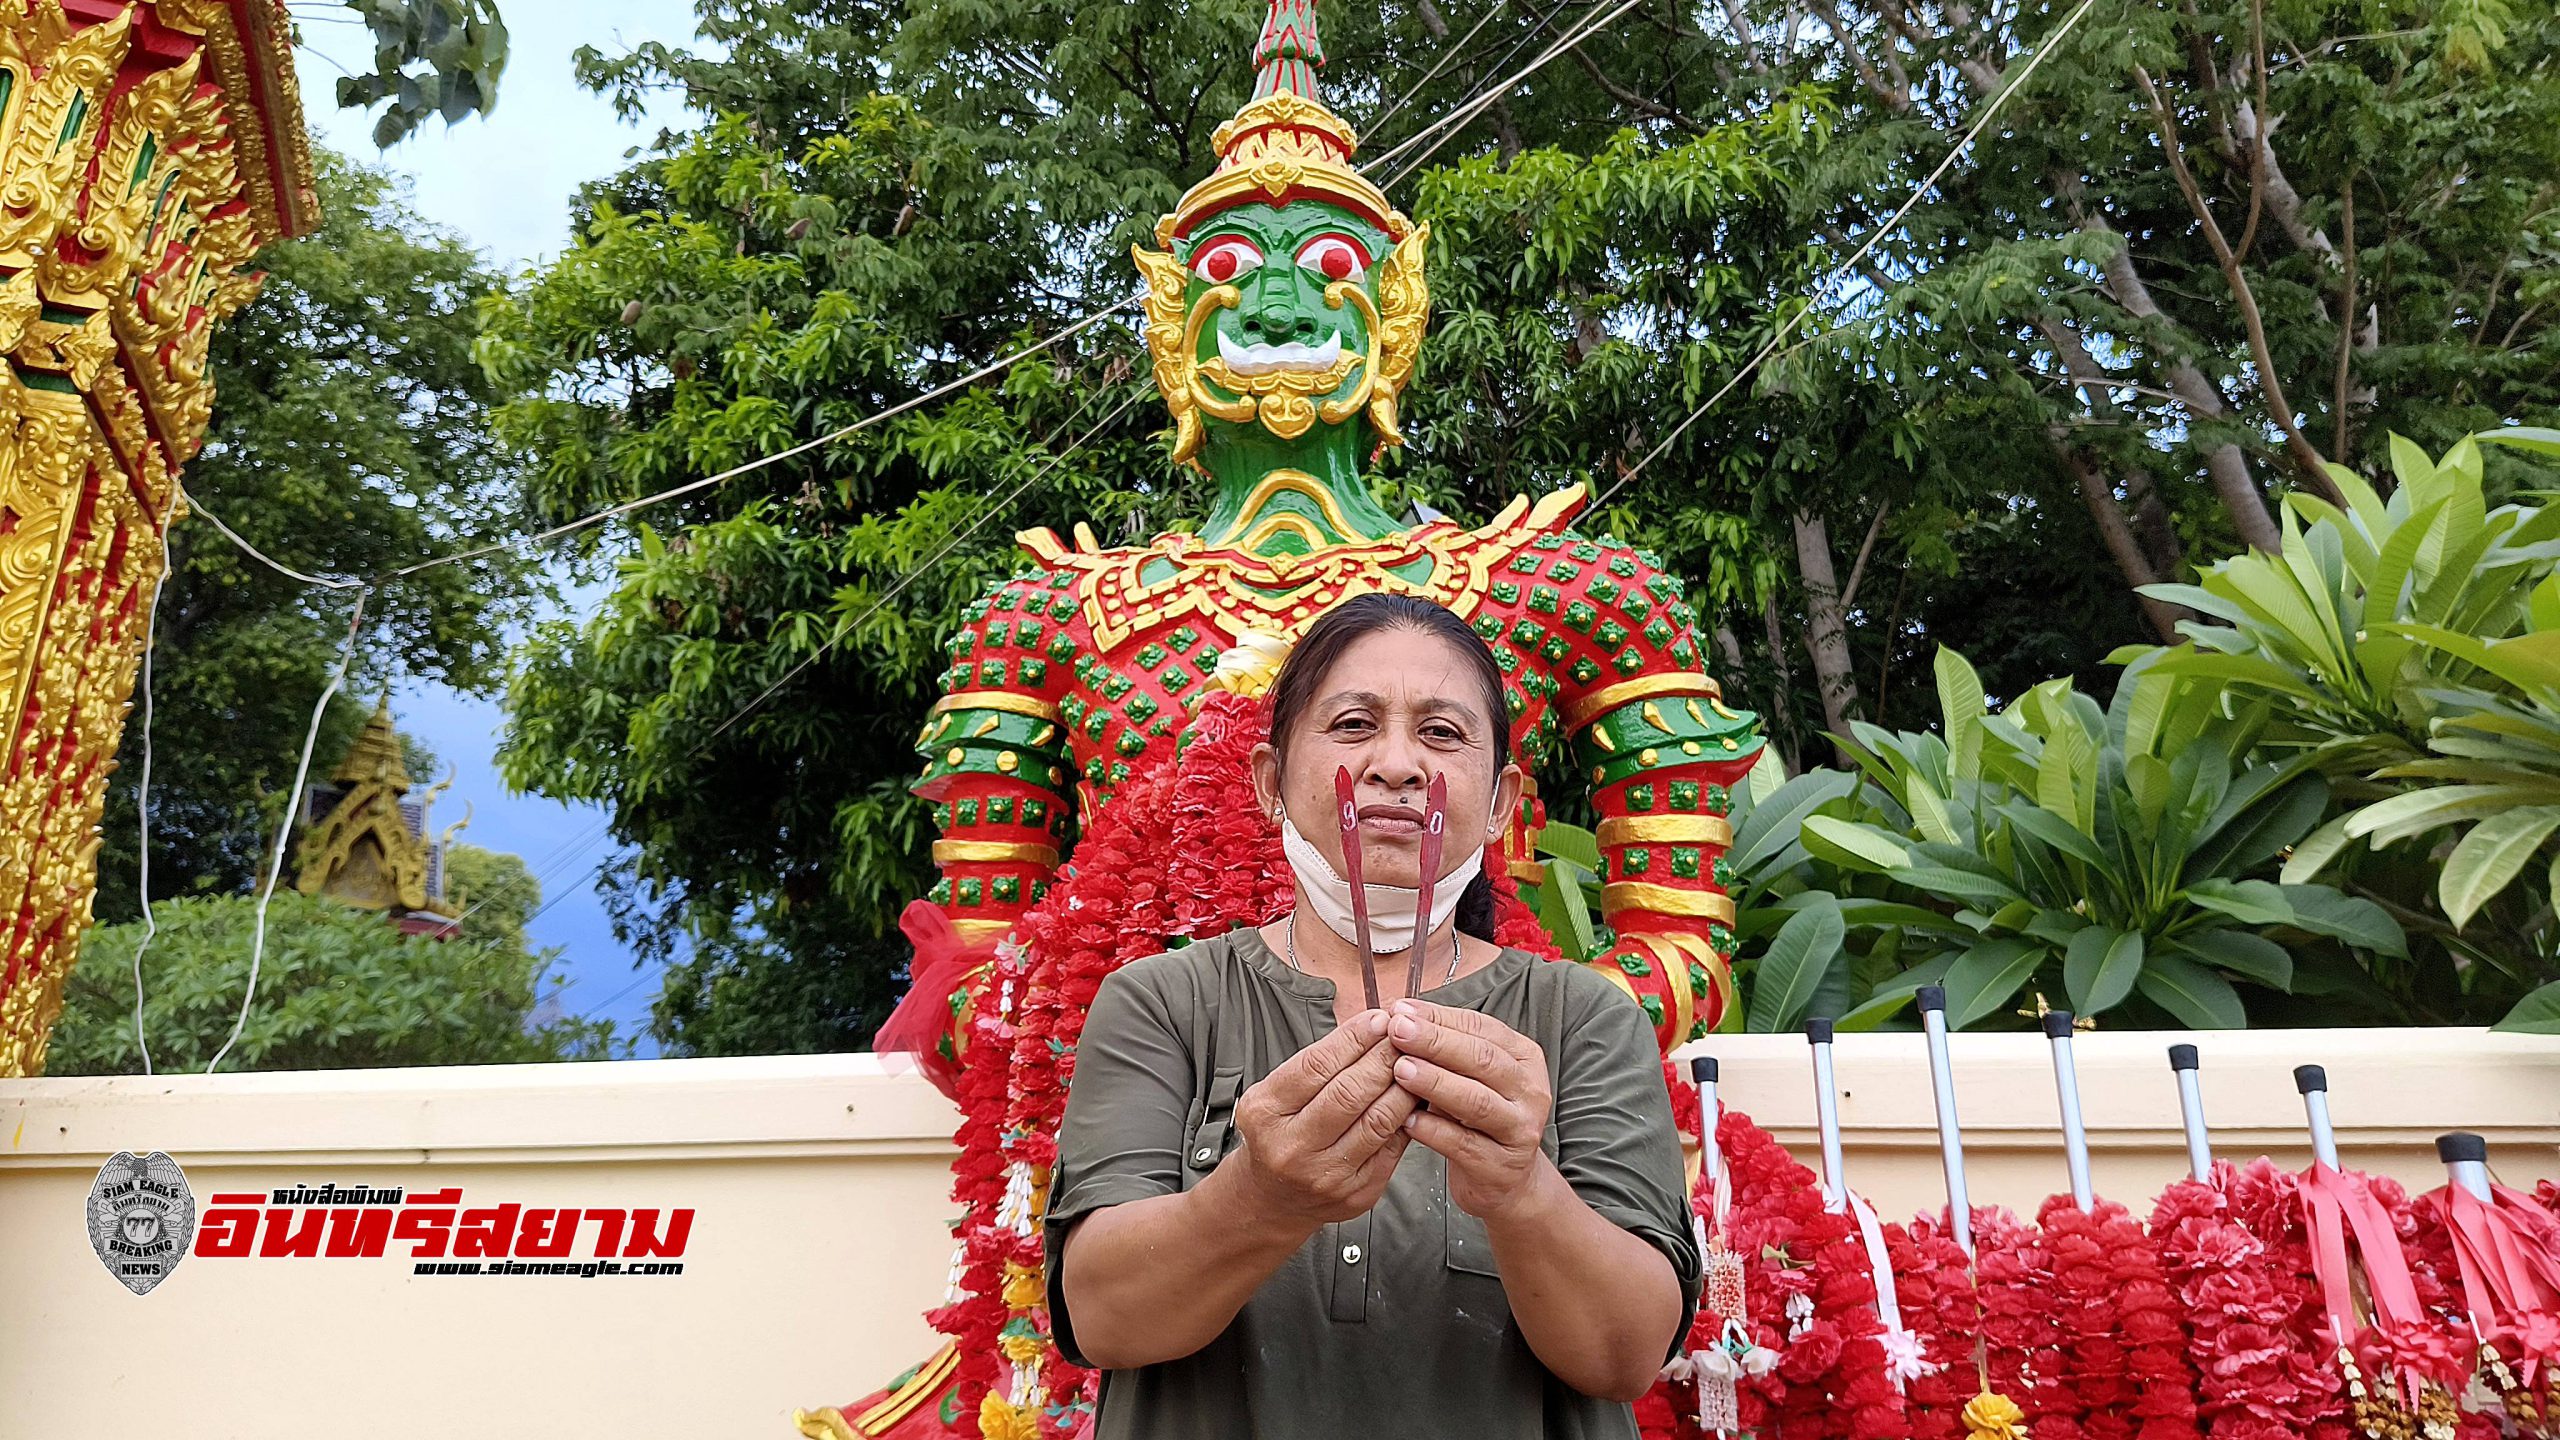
[1767,774]
[2410,465]
[2067,777]
[2395,819]
[2054,831]
[2536,1014]
[1960,706]
[1788,975]
[2525,437]
[2361,923]
[1854,846]
[2249,956]
[1777,822]
[2260,815]
[2100,966]
[2313,852]
[2196,598]
[1561,909]
[2251,902]
[1889,997]
[2200,999]
[1985,977]
[2056,926]
[2531,663]
[2490,857]
[1859,912]
[1957,884]
[1929,810]
[1572,842]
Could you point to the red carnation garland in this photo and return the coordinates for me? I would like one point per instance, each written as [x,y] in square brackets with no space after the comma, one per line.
[1811,1298]
[2021,1331]
[1013,1078]
[2123,1349]
[1935,1283]
[2235,1260]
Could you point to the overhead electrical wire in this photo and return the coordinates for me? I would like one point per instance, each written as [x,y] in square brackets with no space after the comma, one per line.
[914,573]
[1981,122]
[284,825]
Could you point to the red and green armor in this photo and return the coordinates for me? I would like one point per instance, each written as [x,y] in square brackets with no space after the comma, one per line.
[1086,760]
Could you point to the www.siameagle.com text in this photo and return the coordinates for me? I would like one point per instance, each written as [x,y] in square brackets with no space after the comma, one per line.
[586,1269]
[441,1235]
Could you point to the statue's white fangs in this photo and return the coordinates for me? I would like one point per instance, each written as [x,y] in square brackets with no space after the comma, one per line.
[1268,359]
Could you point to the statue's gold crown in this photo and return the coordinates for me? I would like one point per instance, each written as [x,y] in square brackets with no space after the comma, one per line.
[1284,144]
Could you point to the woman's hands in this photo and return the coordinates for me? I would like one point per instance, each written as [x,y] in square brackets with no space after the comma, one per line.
[1322,1133]
[1487,1087]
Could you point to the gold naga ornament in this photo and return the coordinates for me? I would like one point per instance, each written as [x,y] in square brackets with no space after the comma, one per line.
[147,150]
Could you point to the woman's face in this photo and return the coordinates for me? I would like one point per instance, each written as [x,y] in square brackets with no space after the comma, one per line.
[1398,707]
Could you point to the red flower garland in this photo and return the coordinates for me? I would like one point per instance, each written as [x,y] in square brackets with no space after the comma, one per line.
[2240,1265]
[1811,1300]
[2021,1330]
[1934,1283]
[2122,1348]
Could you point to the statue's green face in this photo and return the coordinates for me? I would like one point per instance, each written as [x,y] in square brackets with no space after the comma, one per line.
[1291,295]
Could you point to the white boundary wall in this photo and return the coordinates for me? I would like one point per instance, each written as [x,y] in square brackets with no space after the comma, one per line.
[820,1188]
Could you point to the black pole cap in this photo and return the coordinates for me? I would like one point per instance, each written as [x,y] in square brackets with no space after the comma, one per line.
[1818,1031]
[2307,1078]
[2057,1024]
[2462,1145]
[1930,997]
[1702,1070]
[2183,1057]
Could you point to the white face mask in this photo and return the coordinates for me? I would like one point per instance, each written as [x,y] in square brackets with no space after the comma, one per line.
[1391,907]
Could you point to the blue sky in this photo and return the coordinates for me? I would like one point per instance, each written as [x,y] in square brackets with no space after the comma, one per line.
[503,182]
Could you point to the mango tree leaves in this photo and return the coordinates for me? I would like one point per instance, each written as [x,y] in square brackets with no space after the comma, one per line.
[430,57]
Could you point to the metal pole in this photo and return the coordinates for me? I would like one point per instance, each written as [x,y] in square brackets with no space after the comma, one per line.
[1826,1110]
[2066,1084]
[2466,1160]
[2313,1082]
[2183,1060]
[1932,1000]
[1703,1071]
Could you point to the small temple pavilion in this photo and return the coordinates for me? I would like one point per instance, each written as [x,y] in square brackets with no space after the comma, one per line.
[364,837]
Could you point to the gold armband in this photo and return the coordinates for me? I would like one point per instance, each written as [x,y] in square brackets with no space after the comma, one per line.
[1622,895]
[1666,830]
[994,852]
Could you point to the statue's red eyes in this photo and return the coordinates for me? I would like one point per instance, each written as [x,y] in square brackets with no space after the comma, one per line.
[1225,259]
[1335,257]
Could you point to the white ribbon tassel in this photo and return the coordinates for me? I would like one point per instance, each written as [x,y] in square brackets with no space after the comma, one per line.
[1904,1361]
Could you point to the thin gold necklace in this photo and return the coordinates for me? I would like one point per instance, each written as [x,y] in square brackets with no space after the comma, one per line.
[1455,950]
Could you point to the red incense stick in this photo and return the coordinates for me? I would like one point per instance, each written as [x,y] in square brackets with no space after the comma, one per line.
[1435,829]
[1350,814]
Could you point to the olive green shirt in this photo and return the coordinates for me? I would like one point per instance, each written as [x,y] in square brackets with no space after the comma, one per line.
[1393,1323]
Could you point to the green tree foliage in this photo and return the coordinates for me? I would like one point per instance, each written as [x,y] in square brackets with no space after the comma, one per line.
[430,57]
[338,988]
[2044,388]
[2407,646]
[2338,800]
[351,433]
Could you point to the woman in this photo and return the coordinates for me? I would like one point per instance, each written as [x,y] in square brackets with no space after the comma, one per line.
[1275,1211]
